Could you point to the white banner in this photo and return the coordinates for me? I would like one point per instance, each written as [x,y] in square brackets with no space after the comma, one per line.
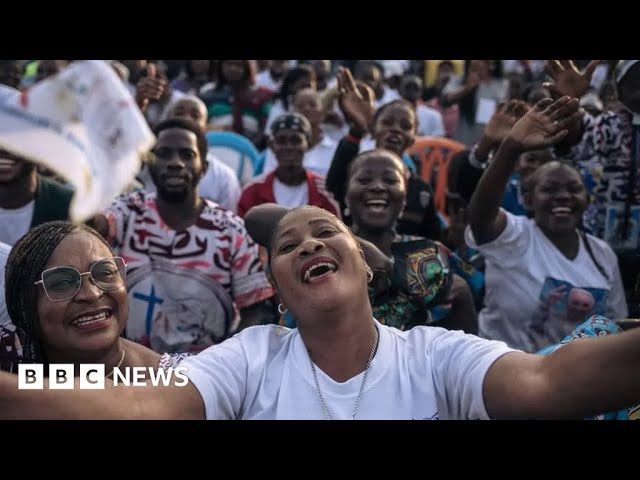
[84,125]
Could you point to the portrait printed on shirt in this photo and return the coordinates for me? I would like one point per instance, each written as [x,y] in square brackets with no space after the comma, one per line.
[564,306]
[173,308]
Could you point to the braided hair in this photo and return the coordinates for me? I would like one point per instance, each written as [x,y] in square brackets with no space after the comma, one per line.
[25,264]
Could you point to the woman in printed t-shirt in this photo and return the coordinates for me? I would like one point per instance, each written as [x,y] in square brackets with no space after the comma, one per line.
[544,276]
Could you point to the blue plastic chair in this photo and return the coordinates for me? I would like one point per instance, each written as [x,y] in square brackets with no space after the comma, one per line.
[236,151]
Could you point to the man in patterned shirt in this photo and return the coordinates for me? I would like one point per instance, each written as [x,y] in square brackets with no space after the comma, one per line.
[602,148]
[193,273]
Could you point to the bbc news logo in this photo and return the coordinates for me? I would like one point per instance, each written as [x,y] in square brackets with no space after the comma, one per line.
[92,376]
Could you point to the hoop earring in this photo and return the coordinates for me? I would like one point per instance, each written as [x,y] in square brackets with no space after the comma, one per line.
[282,309]
[369,274]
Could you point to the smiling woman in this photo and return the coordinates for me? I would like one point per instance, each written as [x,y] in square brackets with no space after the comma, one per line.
[430,285]
[340,363]
[66,293]
[538,268]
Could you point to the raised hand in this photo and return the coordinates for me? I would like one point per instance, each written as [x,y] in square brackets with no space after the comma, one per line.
[567,79]
[545,124]
[356,101]
[503,120]
[151,87]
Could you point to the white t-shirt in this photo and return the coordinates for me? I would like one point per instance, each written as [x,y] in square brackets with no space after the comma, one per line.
[524,269]
[264,79]
[220,184]
[4,254]
[388,96]
[264,373]
[291,196]
[429,122]
[318,159]
[15,223]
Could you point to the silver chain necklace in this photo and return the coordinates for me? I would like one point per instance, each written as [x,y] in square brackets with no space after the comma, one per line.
[325,408]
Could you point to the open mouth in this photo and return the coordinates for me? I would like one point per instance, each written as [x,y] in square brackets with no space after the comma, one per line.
[318,269]
[377,205]
[394,141]
[93,320]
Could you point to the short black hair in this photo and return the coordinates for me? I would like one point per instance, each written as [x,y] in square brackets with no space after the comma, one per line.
[376,152]
[185,124]
[393,103]
[25,264]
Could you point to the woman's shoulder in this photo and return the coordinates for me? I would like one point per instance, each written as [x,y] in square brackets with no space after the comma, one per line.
[139,355]
[434,340]
[256,344]
[598,244]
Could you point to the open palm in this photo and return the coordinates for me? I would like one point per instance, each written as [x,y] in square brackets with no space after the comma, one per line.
[356,101]
[545,124]
[504,119]
[567,79]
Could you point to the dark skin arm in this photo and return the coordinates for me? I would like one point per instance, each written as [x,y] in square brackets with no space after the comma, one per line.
[151,87]
[568,80]
[135,403]
[543,126]
[356,103]
[473,80]
[583,378]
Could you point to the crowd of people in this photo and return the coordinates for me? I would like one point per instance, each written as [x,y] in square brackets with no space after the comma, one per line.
[432,239]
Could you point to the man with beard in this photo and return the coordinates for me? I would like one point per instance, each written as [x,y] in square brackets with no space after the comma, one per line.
[194,275]
[27,198]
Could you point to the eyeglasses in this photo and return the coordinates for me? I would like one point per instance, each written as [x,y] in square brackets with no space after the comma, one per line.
[63,283]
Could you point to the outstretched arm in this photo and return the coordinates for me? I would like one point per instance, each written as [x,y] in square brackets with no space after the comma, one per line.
[543,126]
[112,403]
[583,378]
